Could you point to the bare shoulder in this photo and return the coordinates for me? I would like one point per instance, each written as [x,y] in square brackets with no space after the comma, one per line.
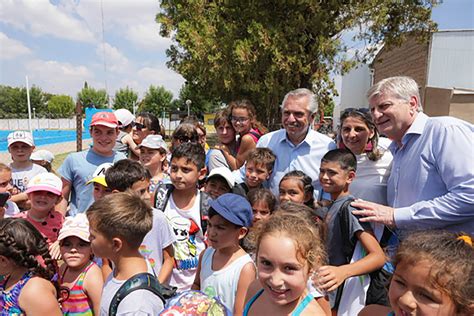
[375,310]
[254,287]
[34,304]
[93,276]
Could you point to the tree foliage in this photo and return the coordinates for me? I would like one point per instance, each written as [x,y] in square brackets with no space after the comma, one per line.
[200,102]
[156,100]
[90,97]
[14,101]
[61,105]
[262,49]
[125,99]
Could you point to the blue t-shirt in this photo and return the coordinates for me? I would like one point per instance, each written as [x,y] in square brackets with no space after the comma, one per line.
[78,168]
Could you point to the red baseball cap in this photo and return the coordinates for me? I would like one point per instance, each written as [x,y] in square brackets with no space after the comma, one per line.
[105,118]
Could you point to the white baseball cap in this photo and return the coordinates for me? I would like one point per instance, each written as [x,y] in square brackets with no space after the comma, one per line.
[154,142]
[46,181]
[20,136]
[99,174]
[77,226]
[42,154]
[124,116]
[223,172]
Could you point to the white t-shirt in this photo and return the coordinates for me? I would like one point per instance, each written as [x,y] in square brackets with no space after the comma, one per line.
[139,302]
[11,209]
[20,177]
[186,225]
[221,283]
[158,238]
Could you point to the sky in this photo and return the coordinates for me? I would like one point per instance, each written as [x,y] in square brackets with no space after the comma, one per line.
[59,44]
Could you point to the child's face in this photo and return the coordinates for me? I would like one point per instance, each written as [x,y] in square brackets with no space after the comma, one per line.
[100,191]
[20,151]
[103,139]
[282,276]
[75,252]
[333,178]
[241,120]
[255,174]
[5,181]
[411,293]
[150,157]
[216,186]
[184,174]
[291,189]
[43,201]
[261,212]
[101,246]
[141,188]
[225,133]
[221,233]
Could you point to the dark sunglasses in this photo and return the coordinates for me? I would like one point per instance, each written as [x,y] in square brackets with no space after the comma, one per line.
[138,126]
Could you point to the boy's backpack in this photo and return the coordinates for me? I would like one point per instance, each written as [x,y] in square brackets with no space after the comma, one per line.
[163,193]
[377,292]
[140,281]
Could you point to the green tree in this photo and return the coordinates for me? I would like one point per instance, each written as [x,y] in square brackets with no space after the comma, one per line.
[90,97]
[125,99]
[262,49]
[200,102]
[61,106]
[156,100]
[14,101]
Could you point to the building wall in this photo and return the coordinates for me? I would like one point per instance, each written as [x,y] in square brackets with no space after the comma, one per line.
[410,59]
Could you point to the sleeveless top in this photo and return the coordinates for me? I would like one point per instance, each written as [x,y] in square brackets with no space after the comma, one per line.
[298,310]
[78,303]
[254,133]
[9,299]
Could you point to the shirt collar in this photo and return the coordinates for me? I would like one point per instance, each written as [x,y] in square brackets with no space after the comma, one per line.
[305,140]
[416,128]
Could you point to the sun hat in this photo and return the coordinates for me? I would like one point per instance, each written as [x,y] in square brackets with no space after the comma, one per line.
[42,154]
[222,172]
[154,142]
[99,174]
[46,181]
[124,116]
[234,208]
[77,226]
[107,119]
[20,136]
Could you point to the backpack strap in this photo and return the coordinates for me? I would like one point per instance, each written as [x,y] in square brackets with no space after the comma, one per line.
[140,281]
[162,195]
[348,245]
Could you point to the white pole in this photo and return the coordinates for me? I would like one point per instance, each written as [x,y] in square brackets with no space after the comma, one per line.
[29,106]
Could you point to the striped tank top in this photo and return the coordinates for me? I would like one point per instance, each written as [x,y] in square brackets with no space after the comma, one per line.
[78,304]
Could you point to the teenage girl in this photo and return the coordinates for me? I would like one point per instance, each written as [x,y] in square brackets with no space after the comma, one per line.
[25,289]
[297,187]
[434,275]
[288,251]
[153,151]
[244,121]
[79,274]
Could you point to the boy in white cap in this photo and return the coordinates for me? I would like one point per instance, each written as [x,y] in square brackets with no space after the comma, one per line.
[44,193]
[78,168]
[43,158]
[219,181]
[98,181]
[153,153]
[20,146]
[125,143]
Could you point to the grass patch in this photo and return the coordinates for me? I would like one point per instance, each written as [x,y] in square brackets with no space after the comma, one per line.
[58,160]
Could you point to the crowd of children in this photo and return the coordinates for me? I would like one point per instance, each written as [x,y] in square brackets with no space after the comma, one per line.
[160,219]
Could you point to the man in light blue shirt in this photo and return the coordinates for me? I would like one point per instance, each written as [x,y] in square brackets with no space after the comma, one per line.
[432,181]
[296,145]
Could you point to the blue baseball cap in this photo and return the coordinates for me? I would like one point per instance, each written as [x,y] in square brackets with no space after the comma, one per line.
[234,208]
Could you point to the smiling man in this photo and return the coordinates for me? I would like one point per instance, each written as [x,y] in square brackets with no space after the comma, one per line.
[431,185]
[78,168]
[296,145]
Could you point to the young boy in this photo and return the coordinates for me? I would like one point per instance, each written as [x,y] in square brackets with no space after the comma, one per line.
[219,181]
[43,158]
[78,168]
[21,146]
[337,171]
[118,224]
[98,181]
[182,204]
[258,169]
[225,270]
[157,246]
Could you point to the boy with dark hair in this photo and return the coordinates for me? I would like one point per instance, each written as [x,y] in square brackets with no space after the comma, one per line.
[336,173]
[78,168]
[157,246]
[219,181]
[258,169]
[186,209]
[118,224]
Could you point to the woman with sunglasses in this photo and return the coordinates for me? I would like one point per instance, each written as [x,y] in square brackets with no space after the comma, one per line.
[144,125]
[359,134]
[248,129]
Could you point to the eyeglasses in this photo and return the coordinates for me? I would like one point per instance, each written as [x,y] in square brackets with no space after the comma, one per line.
[138,126]
[239,119]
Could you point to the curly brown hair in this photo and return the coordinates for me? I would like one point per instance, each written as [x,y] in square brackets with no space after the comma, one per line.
[247,105]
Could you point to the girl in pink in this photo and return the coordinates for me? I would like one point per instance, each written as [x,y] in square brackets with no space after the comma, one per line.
[244,121]
[80,277]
